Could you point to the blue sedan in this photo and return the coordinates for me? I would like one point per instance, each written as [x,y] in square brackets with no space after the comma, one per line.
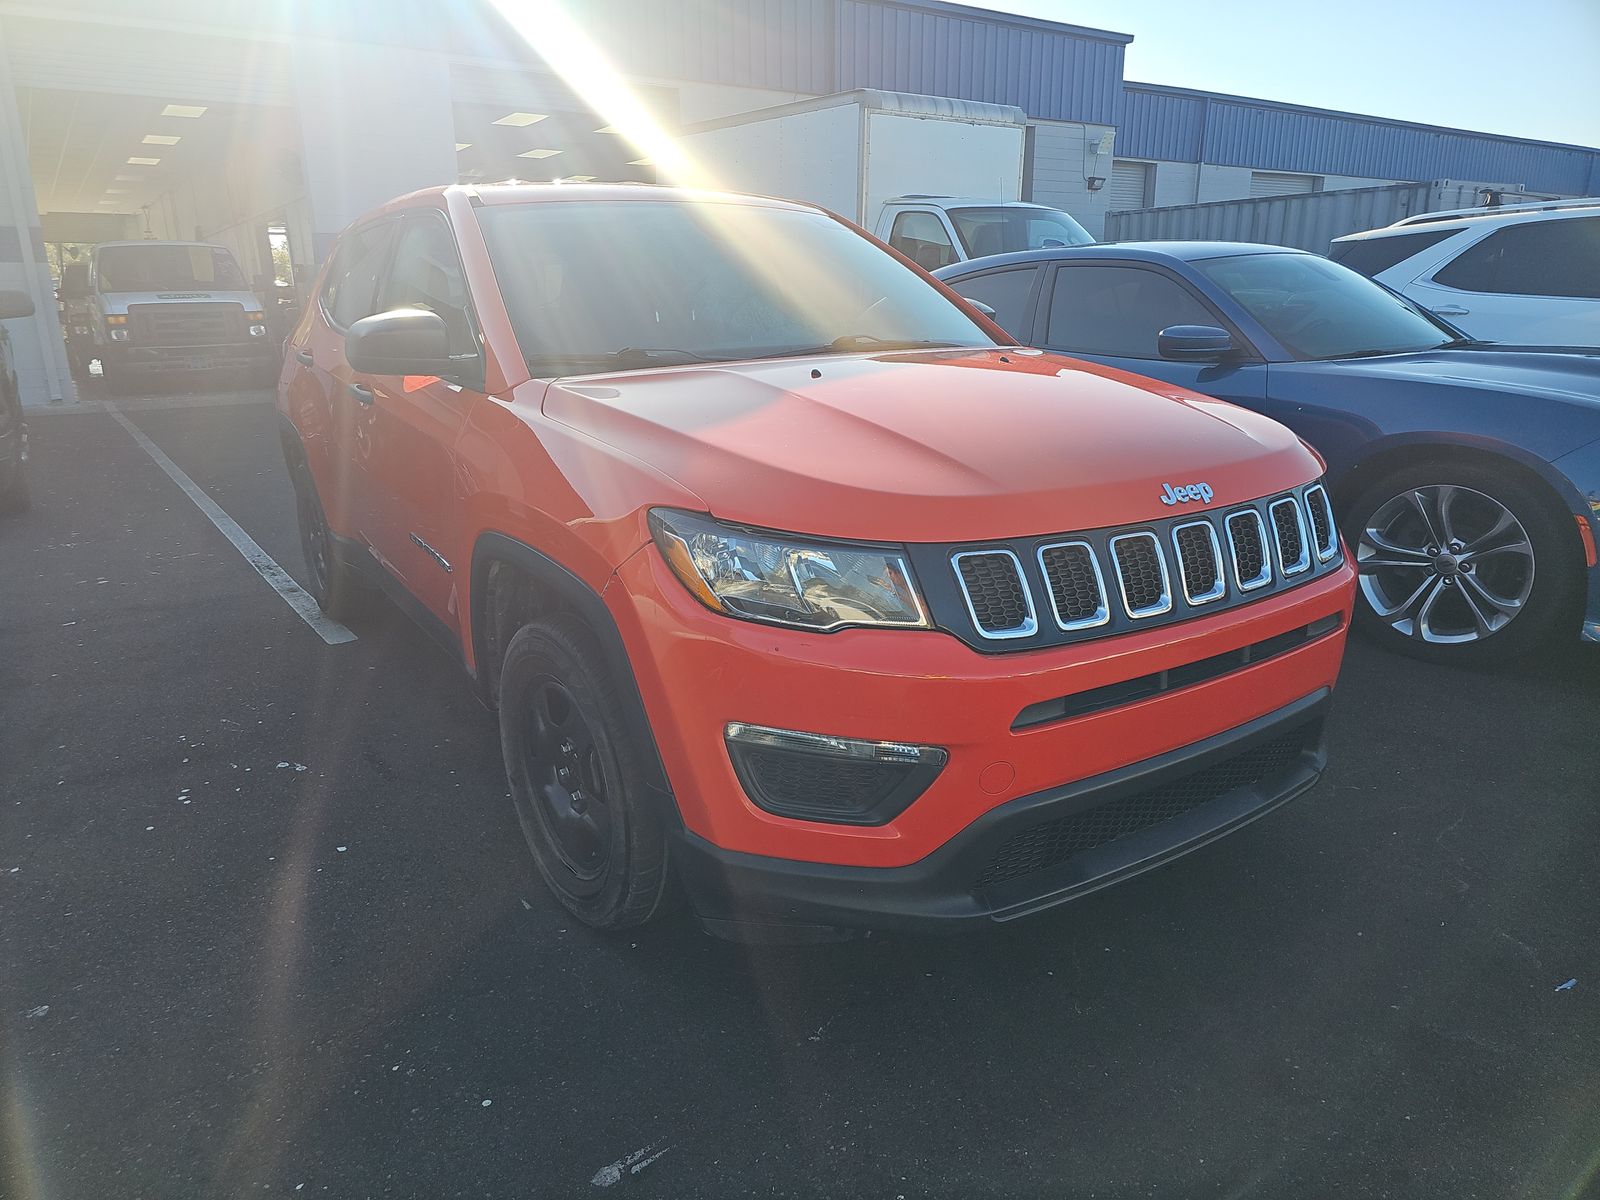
[1466,475]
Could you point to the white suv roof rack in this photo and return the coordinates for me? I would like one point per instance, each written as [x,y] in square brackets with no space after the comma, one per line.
[1498,209]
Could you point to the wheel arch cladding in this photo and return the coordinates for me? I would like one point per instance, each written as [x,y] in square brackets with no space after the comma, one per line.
[512,583]
[1544,478]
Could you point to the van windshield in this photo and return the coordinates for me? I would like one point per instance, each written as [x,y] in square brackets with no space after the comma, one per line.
[594,287]
[987,231]
[166,268]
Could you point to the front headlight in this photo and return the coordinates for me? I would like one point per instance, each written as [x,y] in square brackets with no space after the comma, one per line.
[783,580]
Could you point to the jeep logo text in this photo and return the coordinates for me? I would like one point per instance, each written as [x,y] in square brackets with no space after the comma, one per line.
[1186,492]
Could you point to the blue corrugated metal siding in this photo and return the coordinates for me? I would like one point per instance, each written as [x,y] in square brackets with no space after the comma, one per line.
[1184,126]
[1050,74]
[785,45]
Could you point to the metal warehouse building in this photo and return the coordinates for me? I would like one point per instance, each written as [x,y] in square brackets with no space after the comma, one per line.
[266,126]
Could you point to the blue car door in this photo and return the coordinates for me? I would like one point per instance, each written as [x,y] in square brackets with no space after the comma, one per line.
[1112,312]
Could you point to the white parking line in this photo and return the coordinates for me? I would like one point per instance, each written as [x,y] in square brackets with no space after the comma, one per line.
[266,566]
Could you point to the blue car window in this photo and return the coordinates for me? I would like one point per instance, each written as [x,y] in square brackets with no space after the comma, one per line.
[1118,311]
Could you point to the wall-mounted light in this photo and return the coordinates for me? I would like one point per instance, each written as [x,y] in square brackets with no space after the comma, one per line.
[1096,182]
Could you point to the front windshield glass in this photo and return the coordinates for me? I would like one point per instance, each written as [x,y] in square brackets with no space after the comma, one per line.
[592,287]
[1319,309]
[1004,230]
[166,268]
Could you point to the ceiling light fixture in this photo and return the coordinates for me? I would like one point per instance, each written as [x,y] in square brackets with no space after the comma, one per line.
[184,110]
[143,162]
[460,146]
[161,139]
[539,154]
[641,162]
[129,178]
[606,129]
[521,118]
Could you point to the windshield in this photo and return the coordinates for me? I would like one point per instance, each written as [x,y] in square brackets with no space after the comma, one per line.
[1319,309]
[1004,230]
[591,287]
[166,268]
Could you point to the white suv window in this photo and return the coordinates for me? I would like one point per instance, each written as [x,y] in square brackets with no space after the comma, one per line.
[1535,258]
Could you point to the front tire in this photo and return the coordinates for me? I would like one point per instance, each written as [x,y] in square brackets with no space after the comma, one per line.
[576,775]
[338,590]
[1463,563]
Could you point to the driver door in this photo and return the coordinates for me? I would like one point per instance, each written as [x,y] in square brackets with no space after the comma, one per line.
[1112,313]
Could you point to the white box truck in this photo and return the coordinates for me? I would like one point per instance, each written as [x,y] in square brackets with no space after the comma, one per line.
[938,179]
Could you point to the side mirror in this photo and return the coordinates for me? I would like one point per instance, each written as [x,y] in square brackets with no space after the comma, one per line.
[14,305]
[403,341]
[74,281]
[980,306]
[1194,343]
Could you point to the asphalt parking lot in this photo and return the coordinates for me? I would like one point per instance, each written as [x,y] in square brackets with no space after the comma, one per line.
[266,928]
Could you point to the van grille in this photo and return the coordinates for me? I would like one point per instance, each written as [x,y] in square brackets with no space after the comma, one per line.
[186,324]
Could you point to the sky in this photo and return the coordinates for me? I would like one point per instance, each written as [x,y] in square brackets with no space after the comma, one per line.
[1529,68]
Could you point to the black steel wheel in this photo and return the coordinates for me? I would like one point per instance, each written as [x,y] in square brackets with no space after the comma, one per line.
[575,772]
[1462,562]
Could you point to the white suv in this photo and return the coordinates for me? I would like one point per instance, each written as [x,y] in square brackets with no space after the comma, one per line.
[1526,274]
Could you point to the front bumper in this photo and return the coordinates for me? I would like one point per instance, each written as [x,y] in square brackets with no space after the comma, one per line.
[153,359]
[1034,852]
[697,671]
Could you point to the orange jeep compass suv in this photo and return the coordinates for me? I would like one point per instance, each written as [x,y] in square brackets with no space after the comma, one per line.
[790,577]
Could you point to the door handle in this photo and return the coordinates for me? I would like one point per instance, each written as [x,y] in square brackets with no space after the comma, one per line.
[363,395]
[305,358]
[1451,310]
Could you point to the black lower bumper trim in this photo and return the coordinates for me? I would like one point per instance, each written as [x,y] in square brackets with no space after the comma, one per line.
[1036,851]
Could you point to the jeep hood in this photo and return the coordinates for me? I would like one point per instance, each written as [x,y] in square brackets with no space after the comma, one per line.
[940,446]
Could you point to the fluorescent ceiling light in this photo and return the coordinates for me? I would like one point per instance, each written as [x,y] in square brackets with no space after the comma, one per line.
[521,118]
[606,129]
[143,162]
[116,191]
[184,110]
[539,154]
[641,162]
[460,146]
[105,202]
[576,179]
[129,178]
[160,139]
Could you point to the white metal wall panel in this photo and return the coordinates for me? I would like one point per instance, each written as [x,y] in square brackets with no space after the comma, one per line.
[73,56]
[1129,185]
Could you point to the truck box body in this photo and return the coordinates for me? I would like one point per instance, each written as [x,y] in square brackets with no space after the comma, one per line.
[851,152]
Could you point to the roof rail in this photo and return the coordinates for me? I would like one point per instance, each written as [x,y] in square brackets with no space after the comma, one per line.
[1485,210]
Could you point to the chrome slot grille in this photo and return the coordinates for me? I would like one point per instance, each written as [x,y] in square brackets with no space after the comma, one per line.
[186,324]
[1199,562]
[1077,589]
[1294,555]
[1325,538]
[1247,541]
[1141,574]
[997,595]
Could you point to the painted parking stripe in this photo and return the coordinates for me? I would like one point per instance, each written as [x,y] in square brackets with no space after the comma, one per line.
[277,578]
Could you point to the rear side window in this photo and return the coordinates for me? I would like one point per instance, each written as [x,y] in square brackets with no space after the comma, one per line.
[1372,256]
[1007,293]
[352,287]
[1538,258]
[426,273]
[921,237]
[1118,311]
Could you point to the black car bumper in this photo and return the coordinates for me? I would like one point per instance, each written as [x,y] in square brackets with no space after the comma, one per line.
[1031,853]
[154,359]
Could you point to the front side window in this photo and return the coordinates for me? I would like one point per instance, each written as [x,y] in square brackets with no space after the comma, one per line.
[1537,258]
[1118,311]
[922,238]
[600,286]
[154,267]
[352,287]
[426,273]
[1319,309]
[1006,230]
[1007,293]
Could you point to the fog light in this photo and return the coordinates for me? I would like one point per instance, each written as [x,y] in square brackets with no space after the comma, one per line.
[821,777]
[258,331]
[119,335]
